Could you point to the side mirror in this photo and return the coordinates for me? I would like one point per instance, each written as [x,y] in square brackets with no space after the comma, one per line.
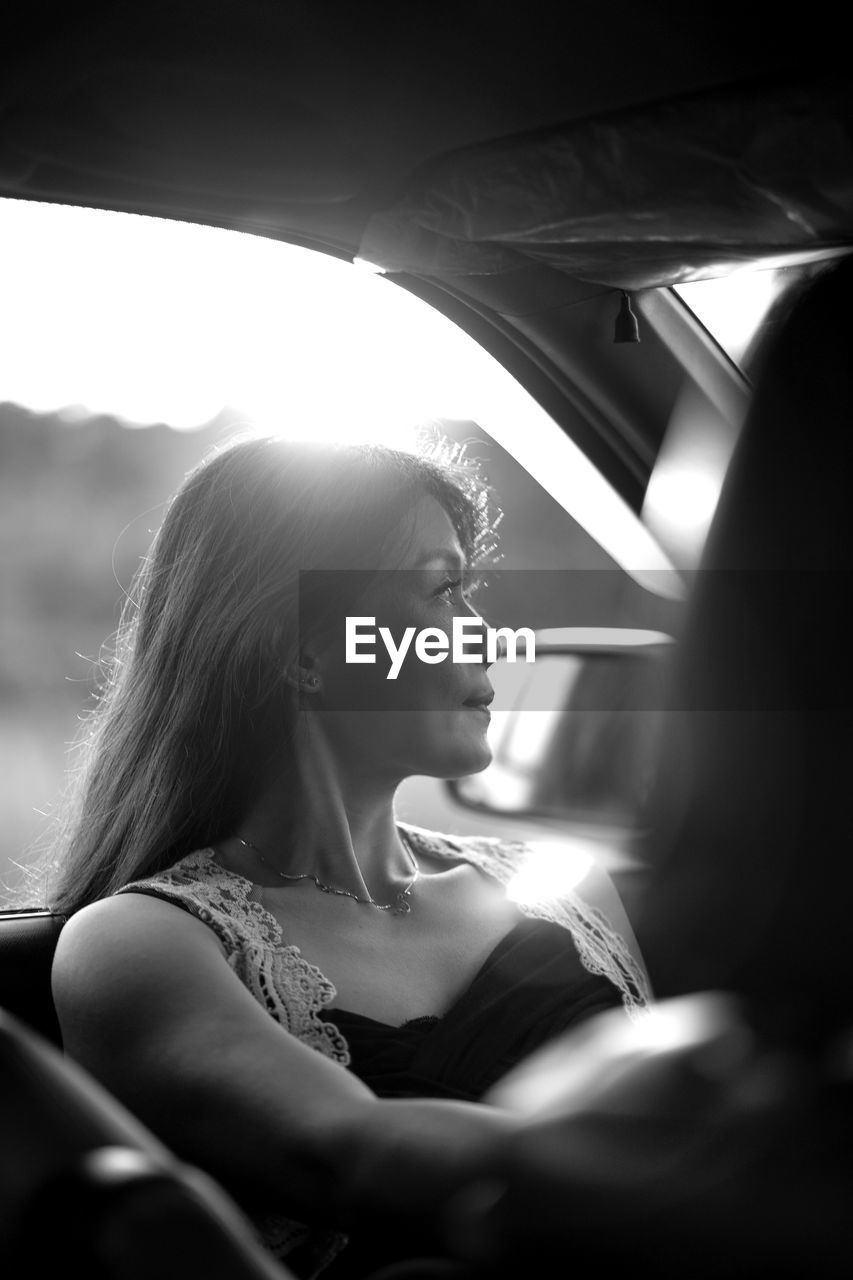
[575,734]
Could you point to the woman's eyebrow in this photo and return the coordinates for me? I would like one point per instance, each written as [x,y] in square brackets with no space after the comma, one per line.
[452,558]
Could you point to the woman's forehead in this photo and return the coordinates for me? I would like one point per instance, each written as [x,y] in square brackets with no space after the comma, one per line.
[432,540]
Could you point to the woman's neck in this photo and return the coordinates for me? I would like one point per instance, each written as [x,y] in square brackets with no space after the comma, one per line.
[342,829]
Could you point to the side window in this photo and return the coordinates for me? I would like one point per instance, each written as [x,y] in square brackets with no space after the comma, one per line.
[132,346]
[743,311]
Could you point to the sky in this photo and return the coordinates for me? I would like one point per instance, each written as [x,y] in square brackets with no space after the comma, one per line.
[154,321]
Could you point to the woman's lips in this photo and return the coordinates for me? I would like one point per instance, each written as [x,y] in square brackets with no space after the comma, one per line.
[480,702]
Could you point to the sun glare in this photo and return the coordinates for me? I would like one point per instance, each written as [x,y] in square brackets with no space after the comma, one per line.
[550,871]
[164,321]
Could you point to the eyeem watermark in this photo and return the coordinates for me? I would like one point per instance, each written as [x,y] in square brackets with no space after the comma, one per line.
[432,645]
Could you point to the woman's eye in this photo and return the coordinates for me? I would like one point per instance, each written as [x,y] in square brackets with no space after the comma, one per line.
[464,587]
[449,588]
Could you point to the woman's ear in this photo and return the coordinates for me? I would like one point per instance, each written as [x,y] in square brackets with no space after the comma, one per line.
[304,675]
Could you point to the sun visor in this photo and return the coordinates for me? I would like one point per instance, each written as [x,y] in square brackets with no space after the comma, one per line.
[677,191]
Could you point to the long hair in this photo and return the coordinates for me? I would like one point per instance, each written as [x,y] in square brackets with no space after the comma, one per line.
[194,703]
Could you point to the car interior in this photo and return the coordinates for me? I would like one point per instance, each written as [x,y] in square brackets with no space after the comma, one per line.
[547,178]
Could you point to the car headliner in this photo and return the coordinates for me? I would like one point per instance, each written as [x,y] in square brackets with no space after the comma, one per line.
[333,105]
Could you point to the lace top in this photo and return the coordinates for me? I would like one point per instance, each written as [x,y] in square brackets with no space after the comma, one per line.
[296,993]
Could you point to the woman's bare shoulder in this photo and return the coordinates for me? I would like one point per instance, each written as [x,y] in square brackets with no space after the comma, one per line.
[126,936]
[135,974]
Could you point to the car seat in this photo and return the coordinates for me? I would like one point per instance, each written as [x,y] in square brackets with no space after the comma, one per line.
[84,1187]
[751,885]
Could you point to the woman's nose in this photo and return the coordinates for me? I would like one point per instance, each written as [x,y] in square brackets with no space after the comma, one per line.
[494,644]
[500,648]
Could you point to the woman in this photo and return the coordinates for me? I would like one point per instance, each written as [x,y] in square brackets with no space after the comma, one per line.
[296,991]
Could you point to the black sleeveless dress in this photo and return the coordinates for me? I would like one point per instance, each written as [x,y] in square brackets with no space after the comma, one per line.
[531,987]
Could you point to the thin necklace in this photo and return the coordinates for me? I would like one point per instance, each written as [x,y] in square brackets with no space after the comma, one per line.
[399,907]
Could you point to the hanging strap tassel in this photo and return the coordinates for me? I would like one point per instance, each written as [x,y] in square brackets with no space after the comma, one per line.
[626,328]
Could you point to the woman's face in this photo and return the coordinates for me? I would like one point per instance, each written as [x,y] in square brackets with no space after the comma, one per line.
[432,718]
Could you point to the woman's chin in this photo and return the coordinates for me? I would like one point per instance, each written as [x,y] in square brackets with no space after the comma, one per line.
[443,745]
[470,752]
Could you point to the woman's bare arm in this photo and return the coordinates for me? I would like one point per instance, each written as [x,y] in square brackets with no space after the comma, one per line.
[149,1005]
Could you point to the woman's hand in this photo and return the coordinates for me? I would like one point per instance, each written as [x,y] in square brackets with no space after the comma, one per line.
[677,1137]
